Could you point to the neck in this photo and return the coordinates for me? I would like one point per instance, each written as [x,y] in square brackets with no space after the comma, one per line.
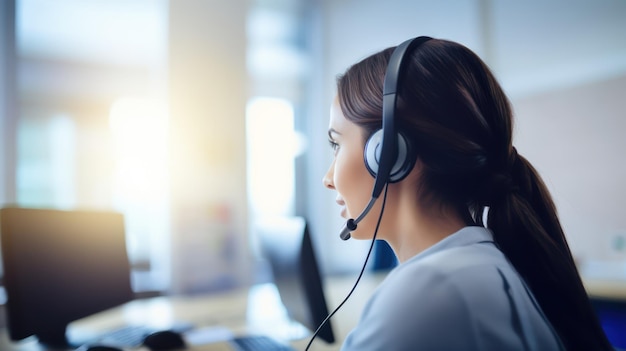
[417,228]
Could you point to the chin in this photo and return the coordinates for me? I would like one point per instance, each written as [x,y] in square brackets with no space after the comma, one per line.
[344,214]
[362,233]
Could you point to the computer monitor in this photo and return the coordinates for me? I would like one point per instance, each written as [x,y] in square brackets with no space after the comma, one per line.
[286,244]
[60,266]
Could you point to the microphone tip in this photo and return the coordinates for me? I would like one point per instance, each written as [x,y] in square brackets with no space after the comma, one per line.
[350,224]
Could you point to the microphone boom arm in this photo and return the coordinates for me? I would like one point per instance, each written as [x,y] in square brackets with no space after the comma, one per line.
[352,223]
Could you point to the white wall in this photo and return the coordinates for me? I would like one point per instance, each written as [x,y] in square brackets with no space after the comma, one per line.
[539,51]
[575,138]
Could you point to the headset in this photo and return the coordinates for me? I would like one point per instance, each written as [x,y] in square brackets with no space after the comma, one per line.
[388,154]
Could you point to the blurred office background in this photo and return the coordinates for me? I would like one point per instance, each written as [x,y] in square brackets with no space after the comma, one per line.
[196,118]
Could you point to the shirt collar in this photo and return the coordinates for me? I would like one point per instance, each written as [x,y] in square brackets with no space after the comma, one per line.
[464,237]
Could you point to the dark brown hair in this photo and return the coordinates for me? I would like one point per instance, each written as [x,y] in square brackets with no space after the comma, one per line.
[461,124]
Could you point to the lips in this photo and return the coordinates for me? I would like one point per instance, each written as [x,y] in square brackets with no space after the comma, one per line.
[340,202]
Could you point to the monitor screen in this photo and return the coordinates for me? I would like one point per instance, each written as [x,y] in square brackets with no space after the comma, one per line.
[286,245]
[60,266]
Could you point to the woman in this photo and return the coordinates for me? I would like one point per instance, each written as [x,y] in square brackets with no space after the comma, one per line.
[484,263]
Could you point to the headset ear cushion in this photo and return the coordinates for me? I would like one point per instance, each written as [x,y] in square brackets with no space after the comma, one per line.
[404,161]
[371,154]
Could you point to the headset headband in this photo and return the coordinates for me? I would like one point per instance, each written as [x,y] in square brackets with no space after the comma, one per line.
[390,87]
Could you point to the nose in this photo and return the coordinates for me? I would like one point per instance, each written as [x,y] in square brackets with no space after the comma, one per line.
[327,180]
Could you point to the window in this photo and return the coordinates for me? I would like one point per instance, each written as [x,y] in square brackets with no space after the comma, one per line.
[92,123]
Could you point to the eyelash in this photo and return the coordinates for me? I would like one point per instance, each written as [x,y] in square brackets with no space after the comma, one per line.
[333,145]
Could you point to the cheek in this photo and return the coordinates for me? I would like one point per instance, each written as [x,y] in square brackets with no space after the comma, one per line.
[353,182]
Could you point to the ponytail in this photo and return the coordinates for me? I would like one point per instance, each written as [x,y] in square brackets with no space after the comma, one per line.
[527,229]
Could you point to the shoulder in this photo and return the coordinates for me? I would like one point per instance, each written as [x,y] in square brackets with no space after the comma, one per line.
[438,302]
[459,280]
[454,270]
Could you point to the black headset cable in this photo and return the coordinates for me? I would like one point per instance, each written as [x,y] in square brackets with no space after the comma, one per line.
[369,252]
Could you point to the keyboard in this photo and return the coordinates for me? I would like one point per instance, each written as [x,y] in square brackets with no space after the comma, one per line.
[132,336]
[128,336]
[259,342]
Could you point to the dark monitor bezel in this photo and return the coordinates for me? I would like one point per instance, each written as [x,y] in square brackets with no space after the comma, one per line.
[62,295]
[309,277]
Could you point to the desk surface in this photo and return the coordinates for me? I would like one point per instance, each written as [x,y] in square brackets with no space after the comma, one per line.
[233,309]
[239,311]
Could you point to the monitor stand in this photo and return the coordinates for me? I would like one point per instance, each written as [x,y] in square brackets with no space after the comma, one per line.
[54,337]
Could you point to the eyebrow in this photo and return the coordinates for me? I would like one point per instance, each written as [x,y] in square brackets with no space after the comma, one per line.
[332,131]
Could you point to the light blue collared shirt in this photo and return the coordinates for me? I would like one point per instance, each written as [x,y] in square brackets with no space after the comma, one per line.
[459,294]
